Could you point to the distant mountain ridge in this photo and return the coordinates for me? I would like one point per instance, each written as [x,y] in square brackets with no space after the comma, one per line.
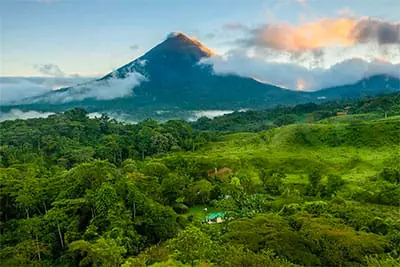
[171,77]
[370,86]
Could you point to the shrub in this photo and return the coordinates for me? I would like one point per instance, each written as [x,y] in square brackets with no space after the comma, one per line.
[316,207]
[391,175]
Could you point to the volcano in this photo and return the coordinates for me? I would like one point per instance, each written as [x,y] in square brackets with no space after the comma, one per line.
[175,77]
[171,75]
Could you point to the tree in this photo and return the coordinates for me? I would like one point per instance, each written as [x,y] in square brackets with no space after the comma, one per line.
[129,166]
[143,138]
[273,232]
[335,182]
[83,177]
[31,191]
[103,252]
[156,169]
[234,189]
[110,149]
[105,198]
[240,256]
[192,245]
[148,185]
[58,220]
[157,223]
[285,120]
[252,204]
[76,114]
[181,132]
[314,179]
[315,207]
[201,190]
[172,187]
[381,261]
[391,175]
[25,253]
[159,143]
[78,155]
[273,181]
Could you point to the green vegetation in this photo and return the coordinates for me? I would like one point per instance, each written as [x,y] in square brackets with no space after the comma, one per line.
[257,120]
[94,192]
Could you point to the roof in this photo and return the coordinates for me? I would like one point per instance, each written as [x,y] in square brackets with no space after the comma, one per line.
[214,215]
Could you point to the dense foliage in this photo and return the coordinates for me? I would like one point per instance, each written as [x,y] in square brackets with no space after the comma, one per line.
[94,192]
[258,120]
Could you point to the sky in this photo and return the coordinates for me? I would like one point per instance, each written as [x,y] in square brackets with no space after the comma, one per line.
[295,44]
[90,38]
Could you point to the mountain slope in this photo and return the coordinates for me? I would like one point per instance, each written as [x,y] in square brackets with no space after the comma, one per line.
[374,85]
[176,78]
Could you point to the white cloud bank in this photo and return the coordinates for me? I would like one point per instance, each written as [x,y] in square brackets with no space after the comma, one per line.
[297,77]
[13,89]
[16,114]
[208,114]
[30,90]
[100,90]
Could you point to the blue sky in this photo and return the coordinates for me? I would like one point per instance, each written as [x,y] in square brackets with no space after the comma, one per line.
[90,38]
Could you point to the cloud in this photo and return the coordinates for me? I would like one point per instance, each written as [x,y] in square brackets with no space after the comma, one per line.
[121,117]
[16,114]
[322,33]
[294,76]
[302,38]
[53,70]
[210,36]
[97,89]
[235,26]
[13,89]
[49,69]
[302,2]
[134,47]
[345,12]
[381,32]
[197,114]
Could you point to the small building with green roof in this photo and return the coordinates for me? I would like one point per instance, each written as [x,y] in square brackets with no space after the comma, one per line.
[215,217]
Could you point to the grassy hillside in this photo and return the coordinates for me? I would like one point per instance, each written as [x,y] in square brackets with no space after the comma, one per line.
[356,151]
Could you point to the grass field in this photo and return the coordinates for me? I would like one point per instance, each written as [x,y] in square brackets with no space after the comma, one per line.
[276,149]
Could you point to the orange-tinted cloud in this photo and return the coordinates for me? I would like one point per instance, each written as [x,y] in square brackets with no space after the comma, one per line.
[307,36]
[323,33]
[300,85]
